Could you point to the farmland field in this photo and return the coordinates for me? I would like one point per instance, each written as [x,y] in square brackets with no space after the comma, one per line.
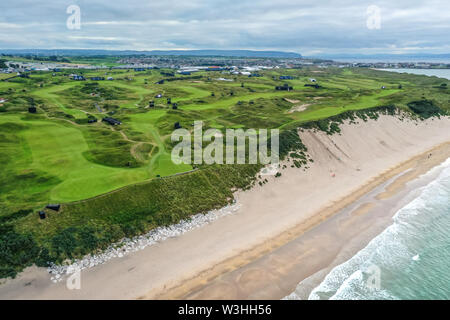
[115,181]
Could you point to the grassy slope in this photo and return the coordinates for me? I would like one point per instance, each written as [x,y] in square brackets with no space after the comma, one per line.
[57,149]
[55,156]
[147,131]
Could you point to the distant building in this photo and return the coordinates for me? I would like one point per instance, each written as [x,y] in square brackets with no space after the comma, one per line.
[111,121]
[224,79]
[312,85]
[215,68]
[77,77]
[54,207]
[284,87]
[110,78]
[159,95]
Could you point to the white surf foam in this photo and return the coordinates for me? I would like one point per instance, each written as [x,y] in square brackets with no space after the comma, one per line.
[349,279]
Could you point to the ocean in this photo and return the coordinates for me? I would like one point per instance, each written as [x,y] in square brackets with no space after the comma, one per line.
[441,73]
[410,259]
[445,60]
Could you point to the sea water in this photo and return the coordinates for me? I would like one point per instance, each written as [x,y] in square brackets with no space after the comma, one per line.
[441,73]
[408,260]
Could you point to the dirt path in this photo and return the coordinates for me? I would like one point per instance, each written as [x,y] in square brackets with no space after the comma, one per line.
[134,153]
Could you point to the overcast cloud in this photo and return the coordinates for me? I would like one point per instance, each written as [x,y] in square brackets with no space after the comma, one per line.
[306,27]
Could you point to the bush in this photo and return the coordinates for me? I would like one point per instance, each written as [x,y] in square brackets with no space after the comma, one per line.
[290,141]
[17,251]
[425,108]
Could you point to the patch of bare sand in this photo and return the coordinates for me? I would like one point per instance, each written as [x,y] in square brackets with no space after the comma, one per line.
[291,100]
[299,108]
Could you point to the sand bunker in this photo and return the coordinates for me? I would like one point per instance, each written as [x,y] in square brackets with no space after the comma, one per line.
[301,107]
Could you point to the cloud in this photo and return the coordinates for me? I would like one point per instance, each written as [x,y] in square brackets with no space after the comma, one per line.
[302,26]
[99,38]
[5,25]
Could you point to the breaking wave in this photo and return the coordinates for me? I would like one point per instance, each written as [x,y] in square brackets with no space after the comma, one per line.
[409,260]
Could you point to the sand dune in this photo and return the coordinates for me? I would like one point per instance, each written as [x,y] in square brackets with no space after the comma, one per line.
[345,166]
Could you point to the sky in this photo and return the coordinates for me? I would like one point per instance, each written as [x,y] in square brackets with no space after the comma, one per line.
[307,27]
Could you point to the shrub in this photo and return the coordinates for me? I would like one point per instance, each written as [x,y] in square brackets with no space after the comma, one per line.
[17,251]
[425,108]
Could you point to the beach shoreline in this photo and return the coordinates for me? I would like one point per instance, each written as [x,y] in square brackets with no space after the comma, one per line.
[389,184]
[195,265]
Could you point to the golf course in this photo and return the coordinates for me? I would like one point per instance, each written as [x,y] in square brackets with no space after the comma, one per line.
[116,181]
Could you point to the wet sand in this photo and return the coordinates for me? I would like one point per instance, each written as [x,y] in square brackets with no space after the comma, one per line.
[310,256]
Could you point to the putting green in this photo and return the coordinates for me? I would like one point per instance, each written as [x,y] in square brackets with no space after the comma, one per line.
[58,150]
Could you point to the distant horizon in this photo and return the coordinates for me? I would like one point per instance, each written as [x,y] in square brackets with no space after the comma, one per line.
[173,51]
[340,54]
[243,53]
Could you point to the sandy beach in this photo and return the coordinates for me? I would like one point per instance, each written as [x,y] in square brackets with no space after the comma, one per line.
[293,228]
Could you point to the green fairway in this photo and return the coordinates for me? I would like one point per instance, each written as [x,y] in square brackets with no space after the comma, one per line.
[58,150]
[86,160]
[360,102]
[116,181]
[50,95]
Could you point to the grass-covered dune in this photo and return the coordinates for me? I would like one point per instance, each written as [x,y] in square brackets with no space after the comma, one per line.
[117,181]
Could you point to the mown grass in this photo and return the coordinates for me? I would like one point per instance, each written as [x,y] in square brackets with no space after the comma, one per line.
[78,149]
[108,178]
